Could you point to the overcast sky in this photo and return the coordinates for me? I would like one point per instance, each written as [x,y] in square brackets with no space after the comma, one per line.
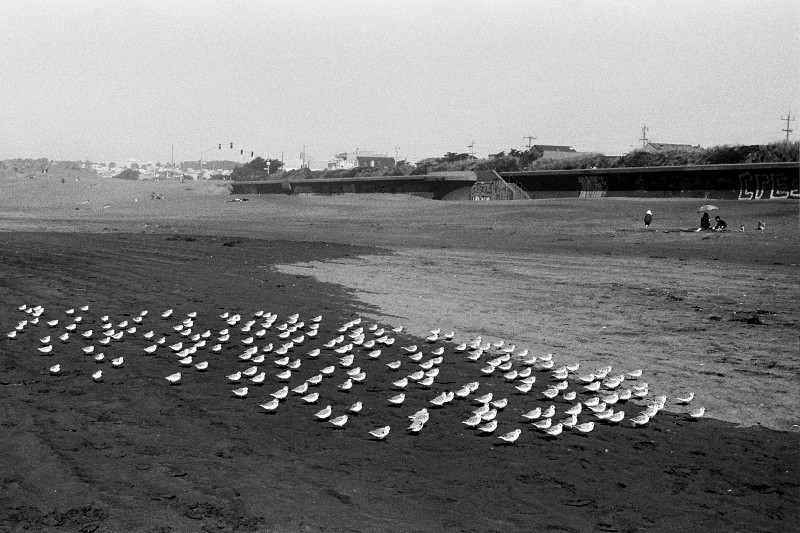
[113,80]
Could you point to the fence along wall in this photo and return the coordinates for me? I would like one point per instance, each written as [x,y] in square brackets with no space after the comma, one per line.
[757,181]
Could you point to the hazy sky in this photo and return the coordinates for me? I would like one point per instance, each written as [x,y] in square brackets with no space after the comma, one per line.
[111,80]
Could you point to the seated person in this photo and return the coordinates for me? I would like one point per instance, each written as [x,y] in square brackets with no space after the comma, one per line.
[720,224]
[705,222]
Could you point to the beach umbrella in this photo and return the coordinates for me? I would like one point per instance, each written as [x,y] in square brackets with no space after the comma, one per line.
[708,207]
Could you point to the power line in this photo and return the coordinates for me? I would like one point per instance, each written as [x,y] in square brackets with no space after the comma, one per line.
[788,118]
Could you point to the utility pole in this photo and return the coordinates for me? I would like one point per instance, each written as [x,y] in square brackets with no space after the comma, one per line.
[530,139]
[471,149]
[396,153]
[172,161]
[644,138]
[788,118]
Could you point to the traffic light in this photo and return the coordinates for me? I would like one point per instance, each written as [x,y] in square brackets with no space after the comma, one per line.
[231,146]
[241,152]
[220,146]
[251,154]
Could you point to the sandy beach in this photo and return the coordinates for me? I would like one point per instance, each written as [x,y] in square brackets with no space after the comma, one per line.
[709,313]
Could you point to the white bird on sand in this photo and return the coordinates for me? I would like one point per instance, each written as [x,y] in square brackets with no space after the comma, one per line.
[551,393]
[339,421]
[624,395]
[46,349]
[176,347]
[397,400]
[118,362]
[575,409]
[87,333]
[635,374]
[374,354]
[52,323]
[45,340]
[416,426]
[500,404]
[216,348]
[440,400]
[236,376]
[491,414]
[70,327]
[284,375]
[549,412]
[323,413]
[250,371]
[301,389]
[174,378]
[98,376]
[258,379]
[616,417]
[697,413]
[380,433]
[151,349]
[311,398]
[99,357]
[316,379]
[105,341]
[270,405]
[64,337]
[361,376]
[592,387]
[202,366]
[684,400]
[281,393]
[356,407]
[416,376]
[586,427]
[489,427]
[511,436]
[186,361]
[543,423]
[400,383]
[88,349]
[554,430]
[166,314]
[571,395]
[486,398]
[426,382]
[640,420]
[534,414]
[473,421]
[55,369]
[347,385]
[240,392]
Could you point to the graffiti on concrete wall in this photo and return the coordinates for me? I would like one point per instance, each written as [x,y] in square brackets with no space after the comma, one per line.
[767,187]
[592,186]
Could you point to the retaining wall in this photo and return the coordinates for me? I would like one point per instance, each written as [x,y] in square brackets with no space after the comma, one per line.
[757,181]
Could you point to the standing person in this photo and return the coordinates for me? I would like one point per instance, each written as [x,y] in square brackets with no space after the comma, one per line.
[705,221]
[648,219]
[721,224]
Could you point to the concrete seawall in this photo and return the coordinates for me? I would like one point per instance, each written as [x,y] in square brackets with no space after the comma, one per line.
[757,181]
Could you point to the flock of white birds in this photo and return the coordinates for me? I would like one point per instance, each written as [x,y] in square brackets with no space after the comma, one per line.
[572,399]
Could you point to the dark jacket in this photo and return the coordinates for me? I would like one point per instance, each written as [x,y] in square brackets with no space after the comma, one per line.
[705,222]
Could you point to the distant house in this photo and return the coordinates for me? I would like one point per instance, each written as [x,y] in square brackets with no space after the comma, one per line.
[360,159]
[657,148]
[552,151]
